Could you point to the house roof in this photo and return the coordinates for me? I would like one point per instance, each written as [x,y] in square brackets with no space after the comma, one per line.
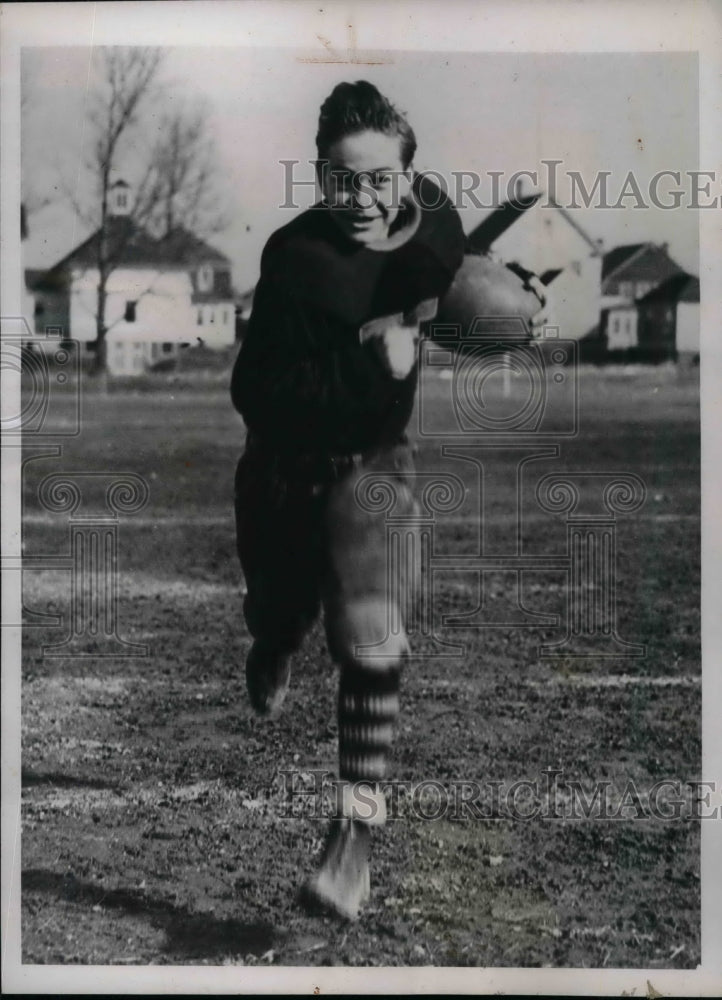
[496,223]
[595,245]
[183,247]
[131,246]
[639,262]
[618,256]
[33,276]
[681,287]
[690,291]
[480,239]
[128,245]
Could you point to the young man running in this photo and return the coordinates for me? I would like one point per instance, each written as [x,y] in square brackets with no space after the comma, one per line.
[325,381]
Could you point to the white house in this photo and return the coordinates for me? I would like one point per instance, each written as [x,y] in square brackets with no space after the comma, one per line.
[650,305]
[537,233]
[160,293]
[688,319]
[621,326]
[573,296]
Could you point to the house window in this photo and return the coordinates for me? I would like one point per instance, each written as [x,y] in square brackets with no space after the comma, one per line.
[122,200]
[225,317]
[167,348]
[130,311]
[615,325]
[213,316]
[205,278]
[200,317]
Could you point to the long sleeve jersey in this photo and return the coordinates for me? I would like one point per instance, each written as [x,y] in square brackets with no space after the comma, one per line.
[303,380]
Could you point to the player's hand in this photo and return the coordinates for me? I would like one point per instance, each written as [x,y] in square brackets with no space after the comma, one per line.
[396,347]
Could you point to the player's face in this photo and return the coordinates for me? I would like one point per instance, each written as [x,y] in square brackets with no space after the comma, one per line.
[364,183]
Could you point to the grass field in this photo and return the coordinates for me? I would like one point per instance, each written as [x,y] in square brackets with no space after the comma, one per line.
[154,821]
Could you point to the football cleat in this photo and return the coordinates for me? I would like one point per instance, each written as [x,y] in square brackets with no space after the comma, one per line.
[342,883]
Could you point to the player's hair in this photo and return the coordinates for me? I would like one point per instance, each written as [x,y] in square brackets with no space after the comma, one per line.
[358,107]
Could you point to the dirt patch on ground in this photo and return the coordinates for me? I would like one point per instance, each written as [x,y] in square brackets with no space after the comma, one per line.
[156,824]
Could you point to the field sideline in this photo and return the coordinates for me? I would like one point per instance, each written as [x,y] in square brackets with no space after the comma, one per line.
[155,828]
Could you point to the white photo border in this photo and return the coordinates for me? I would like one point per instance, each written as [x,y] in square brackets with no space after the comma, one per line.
[425,25]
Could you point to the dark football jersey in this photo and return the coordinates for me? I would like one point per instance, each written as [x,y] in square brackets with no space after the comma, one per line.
[304,381]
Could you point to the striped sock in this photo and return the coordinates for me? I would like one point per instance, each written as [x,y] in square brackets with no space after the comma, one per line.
[368,705]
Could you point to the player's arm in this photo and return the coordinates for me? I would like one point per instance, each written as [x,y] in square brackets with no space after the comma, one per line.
[300,375]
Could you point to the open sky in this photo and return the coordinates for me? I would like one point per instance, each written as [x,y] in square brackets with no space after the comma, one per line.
[472,111]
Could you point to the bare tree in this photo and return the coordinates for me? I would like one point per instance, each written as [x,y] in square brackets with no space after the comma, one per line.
[177,184]
[186,186]
[128,79]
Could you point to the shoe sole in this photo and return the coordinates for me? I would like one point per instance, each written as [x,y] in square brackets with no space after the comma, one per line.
[313,898]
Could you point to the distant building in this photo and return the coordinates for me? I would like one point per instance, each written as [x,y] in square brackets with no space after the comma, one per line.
[574,296]
[649,304]
[546,238]
[669,318]
[630,271]
[160,293]
[621,327]
[634,301]
[688,321]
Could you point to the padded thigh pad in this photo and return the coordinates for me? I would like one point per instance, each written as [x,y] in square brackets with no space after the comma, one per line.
[366,633]
[369,585]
